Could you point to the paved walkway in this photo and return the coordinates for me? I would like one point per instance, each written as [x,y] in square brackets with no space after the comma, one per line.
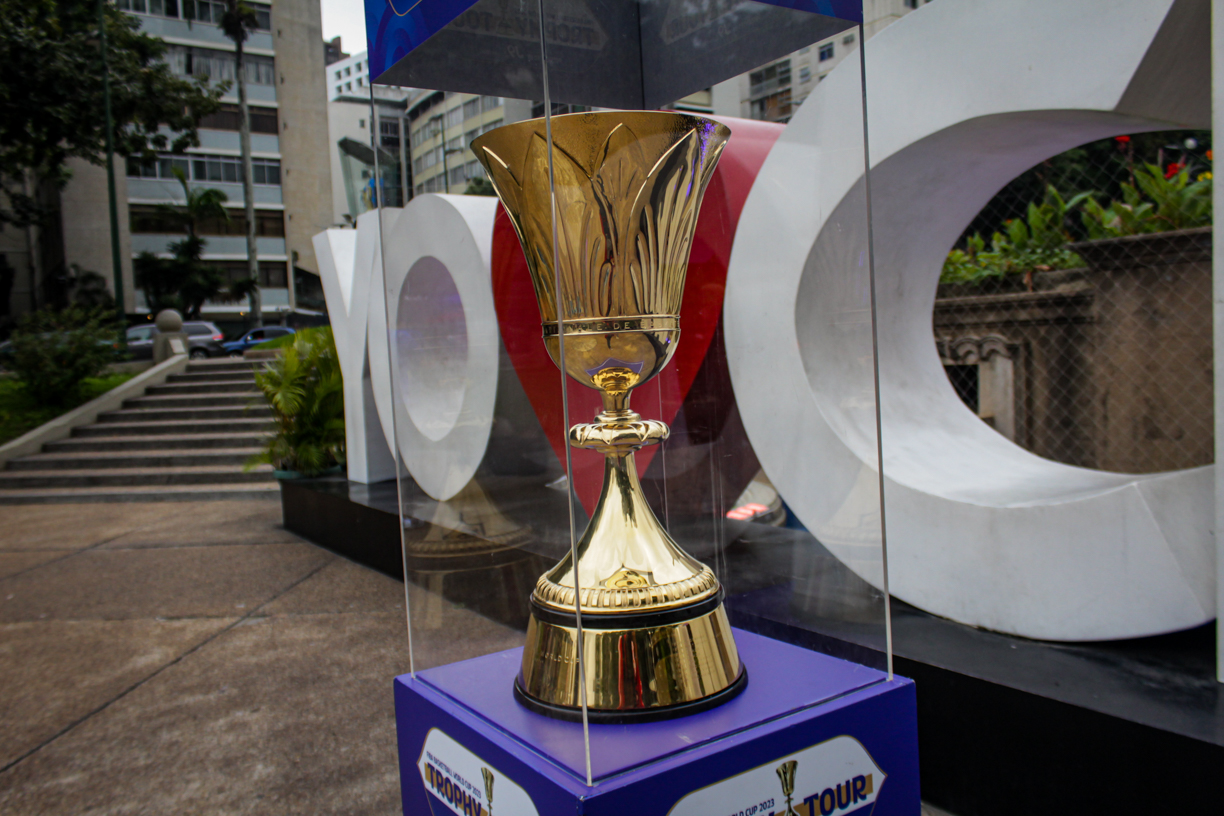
[195,658]
[191,658]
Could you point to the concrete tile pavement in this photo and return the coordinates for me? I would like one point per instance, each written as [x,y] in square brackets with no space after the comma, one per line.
[192,667]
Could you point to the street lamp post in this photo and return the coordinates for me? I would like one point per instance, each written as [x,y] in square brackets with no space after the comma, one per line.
[116,260]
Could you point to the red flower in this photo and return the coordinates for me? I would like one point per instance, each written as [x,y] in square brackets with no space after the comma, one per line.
[1174,169]
[1122,139]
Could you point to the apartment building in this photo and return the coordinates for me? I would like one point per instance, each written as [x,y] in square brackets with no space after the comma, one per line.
[284,59]
[774,91]
[366,126]
[442,126]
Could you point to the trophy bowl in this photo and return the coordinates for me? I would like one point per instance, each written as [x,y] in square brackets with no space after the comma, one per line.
[627,188]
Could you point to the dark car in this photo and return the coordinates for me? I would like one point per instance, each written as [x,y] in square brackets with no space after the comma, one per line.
[203,340]
[254,337]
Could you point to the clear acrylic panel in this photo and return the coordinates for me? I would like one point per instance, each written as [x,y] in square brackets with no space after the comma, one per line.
[773,372]
[769,472]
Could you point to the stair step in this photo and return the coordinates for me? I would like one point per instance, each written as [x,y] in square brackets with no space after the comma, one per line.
[228,364]
[123,477]
[242,398]
[125,427]
[107,460]
[158,442]
[201,387]
[213,376]
[142,493]
[159,414]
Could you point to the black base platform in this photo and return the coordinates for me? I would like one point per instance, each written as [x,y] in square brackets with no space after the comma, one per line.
[1006,725]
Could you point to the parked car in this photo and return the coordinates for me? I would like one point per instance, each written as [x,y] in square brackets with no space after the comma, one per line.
[203,340]
[254,337]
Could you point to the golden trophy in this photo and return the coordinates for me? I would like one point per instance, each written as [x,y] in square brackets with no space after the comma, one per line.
[655,639]
[488,780]
[786,774]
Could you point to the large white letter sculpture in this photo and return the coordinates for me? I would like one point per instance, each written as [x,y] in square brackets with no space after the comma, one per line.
[444,350]
[349,262]
[963,96]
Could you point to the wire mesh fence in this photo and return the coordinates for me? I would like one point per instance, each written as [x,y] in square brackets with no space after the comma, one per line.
[1074,314]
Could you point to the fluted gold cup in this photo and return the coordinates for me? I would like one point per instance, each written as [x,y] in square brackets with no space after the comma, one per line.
[628,185]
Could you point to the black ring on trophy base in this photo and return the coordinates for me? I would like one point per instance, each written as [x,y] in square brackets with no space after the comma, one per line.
[637,715]
[630,619]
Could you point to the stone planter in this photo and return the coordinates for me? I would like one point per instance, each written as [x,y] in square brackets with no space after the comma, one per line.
[1110,365]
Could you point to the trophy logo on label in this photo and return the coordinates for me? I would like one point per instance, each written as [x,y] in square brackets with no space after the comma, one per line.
[627,189]
[786,774]
[488,782]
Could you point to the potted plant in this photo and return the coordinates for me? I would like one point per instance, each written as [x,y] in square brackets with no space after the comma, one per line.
[305,390]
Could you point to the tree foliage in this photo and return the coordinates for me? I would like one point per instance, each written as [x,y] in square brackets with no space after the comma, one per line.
[51,96]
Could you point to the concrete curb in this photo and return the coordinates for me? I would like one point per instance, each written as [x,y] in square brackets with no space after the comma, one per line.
[61,427]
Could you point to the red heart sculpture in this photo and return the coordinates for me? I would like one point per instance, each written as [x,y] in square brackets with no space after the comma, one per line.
[661,398]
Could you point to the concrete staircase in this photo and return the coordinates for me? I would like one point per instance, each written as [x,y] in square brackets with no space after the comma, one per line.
[185,440]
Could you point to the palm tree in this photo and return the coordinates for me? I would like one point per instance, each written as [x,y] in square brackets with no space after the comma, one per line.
[238,22]
[186,282]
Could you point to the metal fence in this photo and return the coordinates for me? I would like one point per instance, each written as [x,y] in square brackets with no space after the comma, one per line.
[1074,314]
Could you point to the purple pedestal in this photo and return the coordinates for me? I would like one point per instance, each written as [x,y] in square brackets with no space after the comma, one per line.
[852,732]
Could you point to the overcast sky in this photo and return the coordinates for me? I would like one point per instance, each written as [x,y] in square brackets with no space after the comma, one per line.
[345,19]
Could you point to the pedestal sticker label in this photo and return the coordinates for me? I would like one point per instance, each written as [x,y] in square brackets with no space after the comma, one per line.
[837,776]
[467,784]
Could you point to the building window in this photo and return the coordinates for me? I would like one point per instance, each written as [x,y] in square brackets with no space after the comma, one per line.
[358,82]
[454,117]
[361,124]
[494,124]
[206,169]
[348,71]
[471,108]
[146,220]
[358,66]
[770,78]
[488,103]
[272,274]
[848,39]
[773,108]
[805,74]
[911,4]
[339,89]
[263,120]
[348,86]
[826,52]
[219,65]
[339,75]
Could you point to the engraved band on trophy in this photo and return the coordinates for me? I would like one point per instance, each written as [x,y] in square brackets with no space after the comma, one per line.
[628,185]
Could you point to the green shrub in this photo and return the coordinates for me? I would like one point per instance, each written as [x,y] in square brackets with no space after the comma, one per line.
[1154,203]
[21,413]
[54,352]
[305,389]
[1037,242]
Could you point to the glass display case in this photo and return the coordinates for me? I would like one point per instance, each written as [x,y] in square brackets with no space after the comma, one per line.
[623,235]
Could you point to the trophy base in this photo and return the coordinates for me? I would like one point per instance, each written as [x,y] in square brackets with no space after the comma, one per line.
[639,666]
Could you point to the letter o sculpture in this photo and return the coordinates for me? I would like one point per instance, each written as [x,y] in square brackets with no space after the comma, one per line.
[979,530]
[444,341]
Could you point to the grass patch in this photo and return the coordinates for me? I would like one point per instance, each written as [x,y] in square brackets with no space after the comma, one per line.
[21,413]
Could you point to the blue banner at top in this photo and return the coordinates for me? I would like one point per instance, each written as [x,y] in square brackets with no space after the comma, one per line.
[842,9]
[396,27]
